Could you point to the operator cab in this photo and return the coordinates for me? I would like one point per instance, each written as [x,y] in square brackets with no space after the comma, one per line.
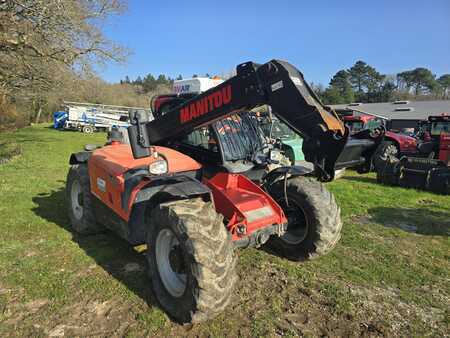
[431,132]
[235,144]
[439,126]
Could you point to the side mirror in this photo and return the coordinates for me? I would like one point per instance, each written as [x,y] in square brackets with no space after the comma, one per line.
[137,133]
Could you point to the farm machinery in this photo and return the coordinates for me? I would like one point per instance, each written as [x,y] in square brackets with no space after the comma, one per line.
[199,181]
[393,143]
[428,168]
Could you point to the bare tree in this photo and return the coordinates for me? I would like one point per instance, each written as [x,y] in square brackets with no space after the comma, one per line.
[39,38]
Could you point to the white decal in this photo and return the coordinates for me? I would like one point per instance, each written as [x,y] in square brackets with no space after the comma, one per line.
[296,81]
[277,85]
[101,184]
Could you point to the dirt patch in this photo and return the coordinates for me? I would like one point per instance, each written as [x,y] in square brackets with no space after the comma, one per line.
[426,201]
[361,219]
[93,318]
[269,303]
[9,151]
[89,318]
[14,312]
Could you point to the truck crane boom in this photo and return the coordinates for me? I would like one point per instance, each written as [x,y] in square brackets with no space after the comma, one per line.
[275,83]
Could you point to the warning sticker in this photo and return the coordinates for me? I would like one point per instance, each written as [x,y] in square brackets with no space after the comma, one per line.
[101,184]
[277,85]
[296,81]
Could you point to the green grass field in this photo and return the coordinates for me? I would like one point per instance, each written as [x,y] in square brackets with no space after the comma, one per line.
[389,275]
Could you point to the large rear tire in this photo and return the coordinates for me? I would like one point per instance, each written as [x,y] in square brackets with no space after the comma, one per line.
[79,198]
[314,219]
[191,260]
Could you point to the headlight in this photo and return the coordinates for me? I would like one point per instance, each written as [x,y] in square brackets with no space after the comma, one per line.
[158,167]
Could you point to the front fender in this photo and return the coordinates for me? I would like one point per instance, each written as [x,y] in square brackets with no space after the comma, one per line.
[159,191]
[183,187]
[80,157]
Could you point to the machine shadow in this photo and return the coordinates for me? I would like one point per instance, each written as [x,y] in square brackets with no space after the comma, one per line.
[113,254]
[422,221]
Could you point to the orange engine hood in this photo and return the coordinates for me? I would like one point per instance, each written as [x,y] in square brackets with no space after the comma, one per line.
[117,159]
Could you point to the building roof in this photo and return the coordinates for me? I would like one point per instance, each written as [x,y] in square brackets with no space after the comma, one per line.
[414,110]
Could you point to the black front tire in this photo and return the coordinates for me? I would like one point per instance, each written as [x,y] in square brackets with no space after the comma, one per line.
[206,260]
[79,198]
[314,217]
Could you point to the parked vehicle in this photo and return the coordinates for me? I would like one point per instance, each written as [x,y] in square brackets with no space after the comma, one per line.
[429,168]
[395,144]
[90,117]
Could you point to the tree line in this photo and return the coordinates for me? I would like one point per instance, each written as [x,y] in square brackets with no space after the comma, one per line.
[363,83]
[150,83]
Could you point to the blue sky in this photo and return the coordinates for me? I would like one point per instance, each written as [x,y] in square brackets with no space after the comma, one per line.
[319,37]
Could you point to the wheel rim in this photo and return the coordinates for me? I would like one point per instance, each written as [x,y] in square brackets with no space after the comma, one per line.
[170,263]
[76,197]
[391,150]
[298,225]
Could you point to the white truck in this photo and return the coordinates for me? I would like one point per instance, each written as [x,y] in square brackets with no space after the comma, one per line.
[90,117]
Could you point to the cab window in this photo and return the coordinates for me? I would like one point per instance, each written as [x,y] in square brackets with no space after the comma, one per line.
[439,127]
[202,138]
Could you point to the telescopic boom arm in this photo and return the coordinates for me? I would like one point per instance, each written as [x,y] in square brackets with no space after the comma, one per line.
[276,83]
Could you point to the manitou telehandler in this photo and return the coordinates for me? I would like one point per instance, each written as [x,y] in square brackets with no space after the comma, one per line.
[199,181]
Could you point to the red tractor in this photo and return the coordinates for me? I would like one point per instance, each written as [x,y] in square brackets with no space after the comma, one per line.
[429,168]
[199,181]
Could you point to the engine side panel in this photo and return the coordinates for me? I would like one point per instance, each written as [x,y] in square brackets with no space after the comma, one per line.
[112,168]
[144,197]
